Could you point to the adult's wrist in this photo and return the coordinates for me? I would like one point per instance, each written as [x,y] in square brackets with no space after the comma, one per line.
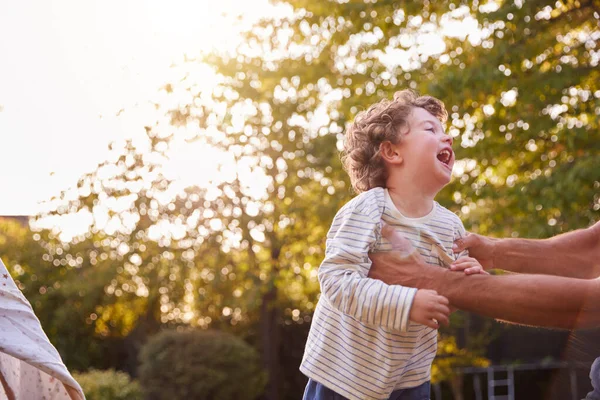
[432,278]
[496,250]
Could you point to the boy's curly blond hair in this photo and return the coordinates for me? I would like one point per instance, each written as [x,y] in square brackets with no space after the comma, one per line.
[383,121]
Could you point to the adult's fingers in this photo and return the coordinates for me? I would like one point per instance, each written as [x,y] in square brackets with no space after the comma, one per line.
[398,241]
[464,243]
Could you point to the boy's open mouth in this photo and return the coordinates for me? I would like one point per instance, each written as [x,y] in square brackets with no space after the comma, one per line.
[445,156]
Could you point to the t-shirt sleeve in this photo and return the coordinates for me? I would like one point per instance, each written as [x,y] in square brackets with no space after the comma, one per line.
[343,272]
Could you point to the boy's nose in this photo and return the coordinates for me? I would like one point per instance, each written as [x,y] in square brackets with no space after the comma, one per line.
[448,139]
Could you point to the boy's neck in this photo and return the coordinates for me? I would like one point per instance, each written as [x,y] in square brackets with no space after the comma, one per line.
[411,200]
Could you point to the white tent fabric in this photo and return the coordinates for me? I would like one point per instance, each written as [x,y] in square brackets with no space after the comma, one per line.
[595,377]
[30,366]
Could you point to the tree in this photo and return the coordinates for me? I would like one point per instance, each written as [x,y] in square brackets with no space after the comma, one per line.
[526,100]
[523,101]
[241,253]
[263,235]
[283,100]
[61,308]
[124,272]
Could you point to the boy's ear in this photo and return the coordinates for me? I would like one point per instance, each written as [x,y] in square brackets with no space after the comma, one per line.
[390,153]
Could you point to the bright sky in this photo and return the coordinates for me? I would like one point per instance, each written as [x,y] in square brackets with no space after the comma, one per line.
[69,67]
[75,76]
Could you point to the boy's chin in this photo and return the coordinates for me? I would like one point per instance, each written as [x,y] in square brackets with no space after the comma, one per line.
[444,180]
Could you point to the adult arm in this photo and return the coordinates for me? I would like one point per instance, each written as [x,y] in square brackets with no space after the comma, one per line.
[574,254]
[539,300]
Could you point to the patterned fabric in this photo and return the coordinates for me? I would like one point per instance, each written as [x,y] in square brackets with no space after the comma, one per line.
[595,377]
[30,367]
[361,342]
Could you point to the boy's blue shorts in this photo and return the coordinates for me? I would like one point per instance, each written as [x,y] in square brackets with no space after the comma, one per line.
[316,391]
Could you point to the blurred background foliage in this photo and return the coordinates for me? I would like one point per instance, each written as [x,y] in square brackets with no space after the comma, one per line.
[240,254]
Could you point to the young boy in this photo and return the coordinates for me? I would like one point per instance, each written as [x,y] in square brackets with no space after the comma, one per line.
[369,340]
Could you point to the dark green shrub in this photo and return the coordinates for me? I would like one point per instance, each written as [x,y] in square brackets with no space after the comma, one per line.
[207,365]
[108,385]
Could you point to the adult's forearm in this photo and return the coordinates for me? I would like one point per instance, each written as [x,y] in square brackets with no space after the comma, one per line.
[524,299]
[574,254]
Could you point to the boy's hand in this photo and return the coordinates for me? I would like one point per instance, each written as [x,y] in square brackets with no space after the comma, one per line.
[430,309]
[469,265]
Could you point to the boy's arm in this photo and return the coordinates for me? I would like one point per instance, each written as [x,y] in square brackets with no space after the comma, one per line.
[343,274]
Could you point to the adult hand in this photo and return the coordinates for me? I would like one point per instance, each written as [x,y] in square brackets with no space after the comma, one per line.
[480,247]
[401,266]
[398,242]
[405,266]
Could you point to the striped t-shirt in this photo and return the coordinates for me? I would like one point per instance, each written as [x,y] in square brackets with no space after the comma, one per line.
[361,343]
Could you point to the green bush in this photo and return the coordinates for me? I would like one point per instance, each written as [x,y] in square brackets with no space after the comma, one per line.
[207,365]
[108,385]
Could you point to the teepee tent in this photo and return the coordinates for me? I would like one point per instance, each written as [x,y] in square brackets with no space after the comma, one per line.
[30,367]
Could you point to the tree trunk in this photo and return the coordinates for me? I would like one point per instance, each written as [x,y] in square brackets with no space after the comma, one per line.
[270,337]
[146,326]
